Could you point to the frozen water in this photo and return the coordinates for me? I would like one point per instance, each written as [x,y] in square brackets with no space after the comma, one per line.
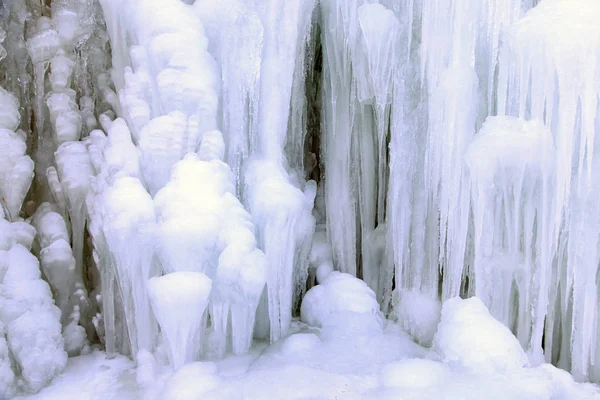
[341,159]
[418,314]
[188,293]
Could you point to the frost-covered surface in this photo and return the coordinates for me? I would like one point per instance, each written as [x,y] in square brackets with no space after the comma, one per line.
[371,363]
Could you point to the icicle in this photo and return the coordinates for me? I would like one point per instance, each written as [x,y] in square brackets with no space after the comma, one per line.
[562,93]
[510,163]
[186,292]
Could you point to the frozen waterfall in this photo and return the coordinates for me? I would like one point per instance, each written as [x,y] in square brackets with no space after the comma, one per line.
[176,176]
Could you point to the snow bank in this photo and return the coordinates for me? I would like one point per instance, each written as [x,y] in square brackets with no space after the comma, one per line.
[191,382]
[206,229]
[415,373]
[469,337]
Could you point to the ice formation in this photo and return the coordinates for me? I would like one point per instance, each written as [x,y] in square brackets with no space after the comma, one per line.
[188,293]
[469,336]
[338,293]
[206,171]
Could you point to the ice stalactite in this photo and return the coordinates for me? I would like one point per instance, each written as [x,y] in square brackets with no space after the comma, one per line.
[291,199]
[240,63]
[187,292]
[551,74]
[510,165]
[256,120]
[128,221]
[374,63]
[16,168]
[451,86]
[361,48]
[339,35]
[287,211]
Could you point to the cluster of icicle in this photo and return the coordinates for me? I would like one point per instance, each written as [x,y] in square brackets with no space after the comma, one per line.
[46,314]
[179,215]
[491,113]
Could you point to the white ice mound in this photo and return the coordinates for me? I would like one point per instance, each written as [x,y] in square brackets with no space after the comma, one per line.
[179,300]
[191,382]
[471,338]
[417,313]
[339,293]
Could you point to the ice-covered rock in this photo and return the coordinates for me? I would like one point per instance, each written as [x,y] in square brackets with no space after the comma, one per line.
[469,337]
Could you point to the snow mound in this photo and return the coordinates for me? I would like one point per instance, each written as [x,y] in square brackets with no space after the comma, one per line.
[414,373]
[339,293]
[300,343]
[193,381]
[470,337]
[418,314]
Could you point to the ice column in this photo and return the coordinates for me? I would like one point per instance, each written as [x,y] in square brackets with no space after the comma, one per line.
[510,164]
